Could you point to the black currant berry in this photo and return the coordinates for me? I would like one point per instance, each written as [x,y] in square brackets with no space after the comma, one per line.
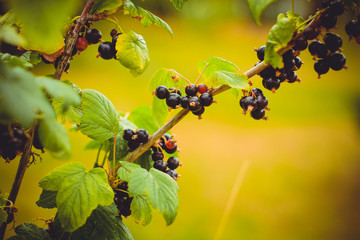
[157,156]
[128,134]
[199,112]
[191,90]
[332,41]
[93,36]
[106,50]
[125,211]
[248,103]
[81,44]
[172,90]
[260,52]
[298,63]
[36,141]
[336,7]
[261,102]
[271,84]
[313,47]
[172,173]
[202,88]
[310,33]
[256,91]
[300,44]
[283,76]
[184,101]
[258,114]
[133,144]
[321,67]
[321,51]
[160,165]
[113,32]
[328,20]
[291,77]
[115,38]
[170,150]
[194,104]
[162,92]
[353,28]
[336,61]
[267,72]
[289,64]
[45,60]
[288,55]
[173,100]
[206,99]
[173,163]
[142,135]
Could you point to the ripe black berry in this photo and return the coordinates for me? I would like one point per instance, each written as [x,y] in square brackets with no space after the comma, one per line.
[313,47]
[184,101]
[248,103]
[353,28]
[173,100]
[336,61]
[288,55]
[336,7]
[170,150]
[199,112]
[142,135]
[256,91]
[113,32]
[206,99]
[172,90]
[157,156]
[267,72]
[289,64]
[202,88]
[194,104]
[128,133]
[271,84]
[321,67]
[332,41]
[310,33]
[300,44]
[160,165]
[291,77]
[261,102]
[258,114]
[93,36]
[319,49]
[328,20]
[260,52]
[133,144]
[162,92]
[191,90]
[106,50]
[36,141]
[45,60]
[298,63]
[173,163]
[172,173]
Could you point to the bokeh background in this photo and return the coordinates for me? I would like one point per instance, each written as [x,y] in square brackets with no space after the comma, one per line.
[303,177]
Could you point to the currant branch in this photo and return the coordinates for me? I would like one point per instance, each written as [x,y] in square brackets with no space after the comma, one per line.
[179,116]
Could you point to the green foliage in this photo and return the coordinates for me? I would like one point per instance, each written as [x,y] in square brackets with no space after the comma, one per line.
[78,192]
[147,18]
[178,4]
[100,119]
[158,186]
[257,7]
[43,31]
[141,209]
[231,79]
[145,160]
[106,6]
[29,231]
[132,52]
[159,107]
[10,35]
[47,199]
[120,148]
[32,57]
[54,137]
[15,61]
[21,96]
[215,64]
[279,36]
[142,118]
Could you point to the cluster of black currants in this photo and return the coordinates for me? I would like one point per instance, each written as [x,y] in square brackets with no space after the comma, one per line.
[196,99]
[135,139]
[107,50]
[272,78]
[168,144]
[352,29]
[12,141]
[122,199]
[255,103]
[327,53]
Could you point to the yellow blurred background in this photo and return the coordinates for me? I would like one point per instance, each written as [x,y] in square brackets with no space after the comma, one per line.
[303,178]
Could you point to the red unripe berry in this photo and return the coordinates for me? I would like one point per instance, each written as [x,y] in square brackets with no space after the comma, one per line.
[81,44]
[202,88]
[170,144]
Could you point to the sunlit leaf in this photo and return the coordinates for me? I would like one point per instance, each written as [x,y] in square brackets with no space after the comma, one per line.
[257,7]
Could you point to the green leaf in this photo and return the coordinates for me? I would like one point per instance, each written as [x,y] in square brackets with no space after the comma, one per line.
[93,144]
[279,36]
[141,209]
[106,6]
[127,123]
[100,119]
[3,216]
[126,169]
[215,64]
[79,193]
[21,97]
[43,31]
[145,160]
[159,107]
[299,19]
[120,148]
[29,231]
[147,18]
[15,61]
[231,79]
[132,52]
[257,7]
[161,189]
[47,199]
[178,4]
[10,35]
[54,137]
[142,118]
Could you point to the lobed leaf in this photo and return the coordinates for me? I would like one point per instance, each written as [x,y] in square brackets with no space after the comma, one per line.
[120,148]
[30,231]
[142,118]
[279,36]
[141,209]
[231,79]
[15,61]
[100,119]
[257,7]
[145,160]
[132,52]
[126,169]
[146,17]
[47,199]
[215,64]
[106,6]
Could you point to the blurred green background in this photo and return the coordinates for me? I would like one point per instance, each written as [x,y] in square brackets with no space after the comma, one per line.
[303,179]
